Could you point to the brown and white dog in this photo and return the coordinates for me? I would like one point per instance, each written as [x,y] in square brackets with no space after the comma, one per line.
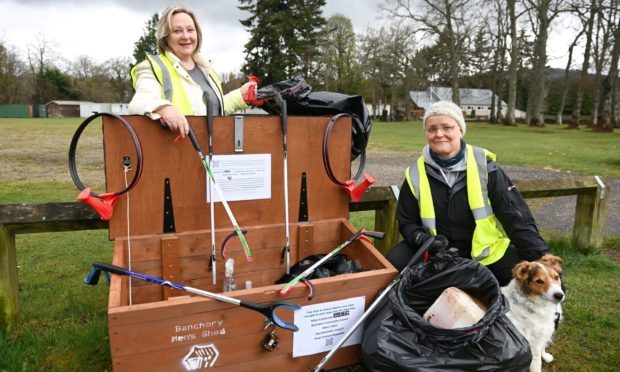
[535,294]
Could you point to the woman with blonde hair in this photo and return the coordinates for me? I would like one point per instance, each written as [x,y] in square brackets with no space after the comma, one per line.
[176,82]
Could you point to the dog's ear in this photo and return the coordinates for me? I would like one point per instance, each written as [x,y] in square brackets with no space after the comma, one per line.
[553,261]
[522,270]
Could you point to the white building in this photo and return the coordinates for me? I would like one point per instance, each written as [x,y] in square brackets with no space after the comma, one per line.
[478,100]
[89,108]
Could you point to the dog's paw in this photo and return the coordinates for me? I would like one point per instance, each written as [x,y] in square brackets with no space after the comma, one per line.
[548,358]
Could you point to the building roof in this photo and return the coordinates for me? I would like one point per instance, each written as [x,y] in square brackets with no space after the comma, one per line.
[68,103]
[469,96]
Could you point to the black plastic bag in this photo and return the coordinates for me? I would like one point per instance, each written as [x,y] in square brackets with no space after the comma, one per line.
[397,338]
[292,89]
[302,101]
[336,265]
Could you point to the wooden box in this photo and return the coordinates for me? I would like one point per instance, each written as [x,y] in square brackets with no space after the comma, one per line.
[163,327]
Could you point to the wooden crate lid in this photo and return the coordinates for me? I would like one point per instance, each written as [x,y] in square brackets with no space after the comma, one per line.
[179,162]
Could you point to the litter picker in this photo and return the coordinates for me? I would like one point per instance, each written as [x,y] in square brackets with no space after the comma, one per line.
[233,221]
[210,187]
[376,303]
[286,251]
[268,310]
[103,204]
[306,273]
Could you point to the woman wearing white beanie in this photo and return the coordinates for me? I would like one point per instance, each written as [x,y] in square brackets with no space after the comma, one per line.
[455,192]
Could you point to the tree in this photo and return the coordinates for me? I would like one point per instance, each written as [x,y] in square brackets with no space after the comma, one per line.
[89,80]
[116,73]
[566,77]
[147,43]
[40,61]
[499,20]
[512,69]
[371,58]
[284,37]
[339,69]
[541,14]
[307,34]
[606,115]
[11,69]
[587,19]
[602,43]
[450,18]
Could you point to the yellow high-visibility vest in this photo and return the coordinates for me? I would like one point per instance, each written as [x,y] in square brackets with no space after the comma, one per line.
[488,243]
[172,84]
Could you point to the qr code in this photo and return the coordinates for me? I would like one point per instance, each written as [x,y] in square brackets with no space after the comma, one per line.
[329,341]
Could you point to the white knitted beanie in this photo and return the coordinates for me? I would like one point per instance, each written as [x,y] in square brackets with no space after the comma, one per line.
[445,108]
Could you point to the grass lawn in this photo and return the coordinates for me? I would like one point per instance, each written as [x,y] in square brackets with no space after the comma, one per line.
[552,147]
[63,324]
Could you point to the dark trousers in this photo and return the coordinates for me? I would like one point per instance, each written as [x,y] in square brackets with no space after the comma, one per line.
[402,252]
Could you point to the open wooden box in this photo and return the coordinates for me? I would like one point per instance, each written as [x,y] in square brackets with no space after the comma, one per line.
[162,327]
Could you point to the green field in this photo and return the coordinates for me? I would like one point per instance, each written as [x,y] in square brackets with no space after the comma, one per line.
[63,324]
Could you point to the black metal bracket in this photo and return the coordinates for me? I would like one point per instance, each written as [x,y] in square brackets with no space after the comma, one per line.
[303,199]
[168,211]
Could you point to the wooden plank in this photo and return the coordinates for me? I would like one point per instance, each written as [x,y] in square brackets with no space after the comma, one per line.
[33,218]
[305,244]
[562,186]
[170,263]
[9,291]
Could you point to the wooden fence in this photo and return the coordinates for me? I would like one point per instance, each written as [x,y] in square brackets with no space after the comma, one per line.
[588,228]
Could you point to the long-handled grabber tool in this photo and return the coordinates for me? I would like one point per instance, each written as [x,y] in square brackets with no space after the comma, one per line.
[268,310]
[360,234]
[207,166]
[210,187]
[286,251]
[376,303]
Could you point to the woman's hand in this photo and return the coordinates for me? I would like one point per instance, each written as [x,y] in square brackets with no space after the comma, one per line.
[246,87]
[174,119]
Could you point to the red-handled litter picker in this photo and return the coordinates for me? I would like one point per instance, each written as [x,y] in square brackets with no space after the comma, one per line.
[360,234]
[268,310]
[376,303]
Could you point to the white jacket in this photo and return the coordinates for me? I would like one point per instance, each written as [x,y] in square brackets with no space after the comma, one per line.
[148,96]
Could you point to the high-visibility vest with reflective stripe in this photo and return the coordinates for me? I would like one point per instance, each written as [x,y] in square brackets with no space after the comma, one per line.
[172,84]
[488,243]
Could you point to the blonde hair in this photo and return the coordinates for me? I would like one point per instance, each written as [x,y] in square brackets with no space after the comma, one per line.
[165,25]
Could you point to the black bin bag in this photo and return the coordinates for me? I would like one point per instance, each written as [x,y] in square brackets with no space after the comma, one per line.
[397,338]
[301,100]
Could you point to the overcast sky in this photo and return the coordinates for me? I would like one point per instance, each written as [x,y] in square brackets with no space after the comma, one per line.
[103,29]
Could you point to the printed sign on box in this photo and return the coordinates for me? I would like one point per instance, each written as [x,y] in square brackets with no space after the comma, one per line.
[322,325]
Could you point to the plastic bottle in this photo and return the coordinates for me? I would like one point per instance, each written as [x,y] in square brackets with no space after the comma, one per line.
[230,284]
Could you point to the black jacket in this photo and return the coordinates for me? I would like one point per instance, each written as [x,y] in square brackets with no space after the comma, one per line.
[455,221]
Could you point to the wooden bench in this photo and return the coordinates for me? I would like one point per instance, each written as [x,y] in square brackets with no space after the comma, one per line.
[588,227]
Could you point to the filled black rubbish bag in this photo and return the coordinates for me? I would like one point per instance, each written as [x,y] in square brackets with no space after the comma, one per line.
[336,265]
[397,338]
[302,101]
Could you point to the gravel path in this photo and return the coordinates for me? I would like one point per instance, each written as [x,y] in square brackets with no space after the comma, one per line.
[552,214]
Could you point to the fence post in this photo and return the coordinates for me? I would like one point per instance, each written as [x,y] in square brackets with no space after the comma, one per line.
[385,220]
[383,201]
[9,302]
[590,216]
